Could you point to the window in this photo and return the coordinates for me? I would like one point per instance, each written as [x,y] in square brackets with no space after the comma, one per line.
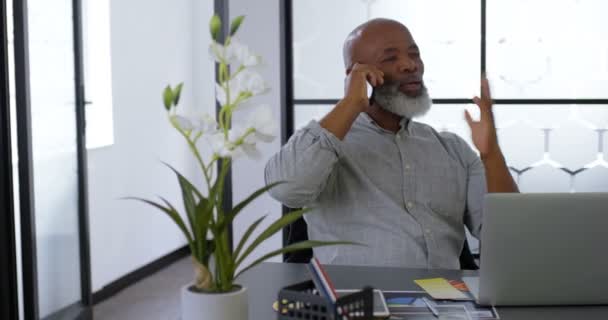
[450,48]
[564,56]
[549,79]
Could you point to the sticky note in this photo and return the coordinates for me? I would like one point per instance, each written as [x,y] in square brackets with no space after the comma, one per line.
[441,289]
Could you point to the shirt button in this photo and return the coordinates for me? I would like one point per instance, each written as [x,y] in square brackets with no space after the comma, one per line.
[428,231]
[398,136]
[409,204]
[407,166]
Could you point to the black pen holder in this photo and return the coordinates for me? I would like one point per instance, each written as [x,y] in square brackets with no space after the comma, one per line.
[300,301]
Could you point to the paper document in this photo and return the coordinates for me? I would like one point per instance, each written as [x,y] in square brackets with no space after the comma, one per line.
[441,289]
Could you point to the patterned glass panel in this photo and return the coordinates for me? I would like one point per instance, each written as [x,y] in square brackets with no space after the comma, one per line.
[564,56]
[450,49]
[556,142]
[548,148]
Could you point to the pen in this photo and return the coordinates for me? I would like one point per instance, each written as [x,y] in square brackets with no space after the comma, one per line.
[321,276]
[433,309]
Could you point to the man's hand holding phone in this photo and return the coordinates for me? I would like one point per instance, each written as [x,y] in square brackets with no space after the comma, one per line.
[356,84]
[339,120]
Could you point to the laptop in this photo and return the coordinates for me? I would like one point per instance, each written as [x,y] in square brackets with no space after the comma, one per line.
[543,249]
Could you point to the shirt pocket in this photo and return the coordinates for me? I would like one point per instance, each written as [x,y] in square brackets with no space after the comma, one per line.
[447,190]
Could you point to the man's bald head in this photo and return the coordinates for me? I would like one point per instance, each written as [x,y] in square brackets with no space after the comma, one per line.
[388,46]
[364,39]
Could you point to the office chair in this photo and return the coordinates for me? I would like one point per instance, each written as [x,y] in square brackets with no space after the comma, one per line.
[298,231]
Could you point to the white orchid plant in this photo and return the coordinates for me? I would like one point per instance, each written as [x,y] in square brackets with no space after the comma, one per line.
[205,215]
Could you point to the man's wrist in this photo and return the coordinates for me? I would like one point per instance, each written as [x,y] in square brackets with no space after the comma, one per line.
[355,104]
[493,155]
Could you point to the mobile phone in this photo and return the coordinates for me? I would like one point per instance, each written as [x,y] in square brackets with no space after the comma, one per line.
[380,307]
[370,92]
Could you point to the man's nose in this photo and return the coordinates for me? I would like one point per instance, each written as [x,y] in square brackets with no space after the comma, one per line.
[407,65]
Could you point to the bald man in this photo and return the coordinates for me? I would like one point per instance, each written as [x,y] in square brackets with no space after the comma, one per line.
[374,176]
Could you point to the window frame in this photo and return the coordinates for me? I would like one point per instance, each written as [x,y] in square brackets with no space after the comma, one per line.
[289,103]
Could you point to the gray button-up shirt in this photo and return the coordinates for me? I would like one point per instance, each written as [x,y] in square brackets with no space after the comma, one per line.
[406,196]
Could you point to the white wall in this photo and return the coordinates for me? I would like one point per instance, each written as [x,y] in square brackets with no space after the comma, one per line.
[261,32]
[154,42]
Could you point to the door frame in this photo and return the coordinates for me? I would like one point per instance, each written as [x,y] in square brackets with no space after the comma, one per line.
[25,166]
[83,200]
[83,308]
[9,303]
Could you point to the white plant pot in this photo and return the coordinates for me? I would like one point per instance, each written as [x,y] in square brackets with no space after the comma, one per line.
[214,306]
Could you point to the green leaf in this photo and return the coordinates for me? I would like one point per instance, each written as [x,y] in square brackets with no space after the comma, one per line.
[218,189]
[180,176]
[177,93]
[279,224]
[308,244]
[171,212]
[199,214]
[211,203]
[168,97]
[236,23]
[223,258]
[246,236]
[235,211]
[214,26]
[189,204]
[203,217]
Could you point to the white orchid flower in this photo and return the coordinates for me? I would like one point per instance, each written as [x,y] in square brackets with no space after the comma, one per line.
[215,52]
[181,122]
[252,151]
[261,120]
[249,82]
[241,140]
[233,145]
[237,133]
[206,124]
[243,55]
[221,95]
[219,145]
[235,54]
[220,53]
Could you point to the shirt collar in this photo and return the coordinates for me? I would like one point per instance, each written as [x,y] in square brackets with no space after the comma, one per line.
[368,122]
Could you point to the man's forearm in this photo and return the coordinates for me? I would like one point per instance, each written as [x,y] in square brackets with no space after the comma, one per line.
[498,178]
[340,119]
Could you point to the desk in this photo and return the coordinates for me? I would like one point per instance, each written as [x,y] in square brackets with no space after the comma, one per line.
[264,282]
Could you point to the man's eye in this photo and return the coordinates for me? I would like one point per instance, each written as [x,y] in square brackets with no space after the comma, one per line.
[389,59]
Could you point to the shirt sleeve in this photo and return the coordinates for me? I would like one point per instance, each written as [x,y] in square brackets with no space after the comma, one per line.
[304,163]
[476,190]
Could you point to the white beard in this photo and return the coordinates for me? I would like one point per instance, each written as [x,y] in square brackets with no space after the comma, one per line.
[391,99]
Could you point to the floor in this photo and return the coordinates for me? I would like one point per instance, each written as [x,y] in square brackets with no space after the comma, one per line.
[154,298]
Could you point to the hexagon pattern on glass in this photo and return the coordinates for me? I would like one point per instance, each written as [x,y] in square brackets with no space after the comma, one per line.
[569,140]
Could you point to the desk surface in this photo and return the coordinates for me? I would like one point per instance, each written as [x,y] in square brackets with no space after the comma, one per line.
[264,282]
